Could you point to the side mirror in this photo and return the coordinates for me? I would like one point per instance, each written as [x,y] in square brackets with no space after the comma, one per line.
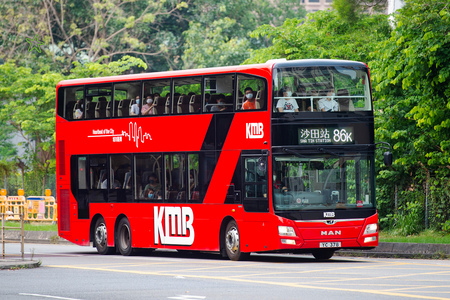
[387,158]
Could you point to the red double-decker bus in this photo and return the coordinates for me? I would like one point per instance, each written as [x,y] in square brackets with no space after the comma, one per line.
[274,157]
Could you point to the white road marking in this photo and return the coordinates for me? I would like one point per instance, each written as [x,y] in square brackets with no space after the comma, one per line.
[48,296]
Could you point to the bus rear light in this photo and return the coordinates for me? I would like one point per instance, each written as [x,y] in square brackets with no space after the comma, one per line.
[286,231]
[288,241]
[371,228]
[370,239]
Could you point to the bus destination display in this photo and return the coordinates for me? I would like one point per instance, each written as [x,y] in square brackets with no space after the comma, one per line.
[325,135]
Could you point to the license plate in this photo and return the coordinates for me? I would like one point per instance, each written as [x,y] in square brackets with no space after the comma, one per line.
[330,245]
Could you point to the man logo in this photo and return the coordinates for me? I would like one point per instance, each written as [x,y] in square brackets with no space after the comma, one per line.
[331,232]
[176,219]
[254,130]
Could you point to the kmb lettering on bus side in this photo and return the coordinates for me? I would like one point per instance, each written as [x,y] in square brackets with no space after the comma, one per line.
[254,130]
[177,225]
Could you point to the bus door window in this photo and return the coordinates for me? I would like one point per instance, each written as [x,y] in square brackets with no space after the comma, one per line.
[148,177]
[175,188]
[193,185]
[258,99]
[79,184]
[98,178]
[120,178]
[219,93]
[185,89]
[97,100]
[72,106]
[255,184]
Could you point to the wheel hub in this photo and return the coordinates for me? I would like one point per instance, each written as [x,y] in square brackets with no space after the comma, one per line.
[232,240]
[101,235]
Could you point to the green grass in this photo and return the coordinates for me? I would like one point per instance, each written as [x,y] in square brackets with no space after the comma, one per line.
[425,237]
[33,226]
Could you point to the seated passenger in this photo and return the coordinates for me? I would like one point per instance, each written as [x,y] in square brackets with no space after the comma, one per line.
[220,106]
[328,103]
[147,108]
[152,184]
[134,110]
[79,109]
[250,102]
[287,104]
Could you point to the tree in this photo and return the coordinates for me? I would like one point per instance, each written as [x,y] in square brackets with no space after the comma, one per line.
[218,32]
[351,10]
[322,35]
[29,106]
[412,82]
[86,30]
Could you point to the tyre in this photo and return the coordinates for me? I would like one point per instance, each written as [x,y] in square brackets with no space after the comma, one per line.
[124,237]
[323,254]
[101,237]
[232,242]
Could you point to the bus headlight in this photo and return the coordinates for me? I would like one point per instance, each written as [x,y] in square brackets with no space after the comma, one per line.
[371,228]
[286,231]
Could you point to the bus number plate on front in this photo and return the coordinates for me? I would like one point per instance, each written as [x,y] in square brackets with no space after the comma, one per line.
[330,245]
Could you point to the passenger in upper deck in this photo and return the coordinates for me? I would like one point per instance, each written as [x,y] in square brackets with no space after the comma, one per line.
[134,110]
[328,103]
[286,104]
[148,106]
[250,102]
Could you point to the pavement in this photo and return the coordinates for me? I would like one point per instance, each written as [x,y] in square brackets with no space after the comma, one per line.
[384,250]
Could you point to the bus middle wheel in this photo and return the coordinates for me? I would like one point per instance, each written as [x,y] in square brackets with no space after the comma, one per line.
[101,237]
[124,237]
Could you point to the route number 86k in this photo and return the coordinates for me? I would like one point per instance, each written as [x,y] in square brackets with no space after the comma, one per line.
[342,136]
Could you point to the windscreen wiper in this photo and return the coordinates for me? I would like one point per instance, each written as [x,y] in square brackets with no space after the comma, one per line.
[296,153]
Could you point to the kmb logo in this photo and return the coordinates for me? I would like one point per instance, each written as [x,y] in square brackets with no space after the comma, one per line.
[254,130]
[176,219]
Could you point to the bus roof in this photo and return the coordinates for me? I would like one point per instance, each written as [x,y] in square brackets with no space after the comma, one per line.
[165,74]
[274,63]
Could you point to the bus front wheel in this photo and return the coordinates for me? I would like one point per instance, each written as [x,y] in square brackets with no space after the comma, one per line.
[232,242]
[101,237]
[323,254]
[124,237]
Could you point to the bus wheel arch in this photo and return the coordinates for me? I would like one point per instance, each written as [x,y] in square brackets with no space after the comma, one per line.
[99,235]
[123,235]
[230,245]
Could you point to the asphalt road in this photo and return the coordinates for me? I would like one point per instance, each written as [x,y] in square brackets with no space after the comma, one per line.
[74,272]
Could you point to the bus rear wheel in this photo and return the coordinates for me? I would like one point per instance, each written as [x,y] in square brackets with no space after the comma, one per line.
[323,254]
[124,237]
[101,237]
[232,242]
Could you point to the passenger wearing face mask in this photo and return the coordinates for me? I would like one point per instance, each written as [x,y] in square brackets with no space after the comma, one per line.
[147,108]
[250,101]
[286,104]
[152,185]
[328,103]
[134,110]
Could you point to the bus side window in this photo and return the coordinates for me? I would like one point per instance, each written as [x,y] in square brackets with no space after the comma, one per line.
[68,100]
[258,87]
[175,187]
[215,87]
[148,177]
